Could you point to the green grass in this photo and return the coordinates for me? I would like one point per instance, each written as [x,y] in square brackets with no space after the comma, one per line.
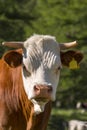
[60,117]
[69,114]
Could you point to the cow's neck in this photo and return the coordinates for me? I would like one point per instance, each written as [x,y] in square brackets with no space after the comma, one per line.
[26,104]
[40,121]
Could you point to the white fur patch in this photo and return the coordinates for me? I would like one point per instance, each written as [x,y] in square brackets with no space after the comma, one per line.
[38,106]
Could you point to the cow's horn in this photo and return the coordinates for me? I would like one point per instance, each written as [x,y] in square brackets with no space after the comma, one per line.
[13,44]
[68,45]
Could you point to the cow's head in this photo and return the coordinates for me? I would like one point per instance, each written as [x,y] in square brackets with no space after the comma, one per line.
[41,65]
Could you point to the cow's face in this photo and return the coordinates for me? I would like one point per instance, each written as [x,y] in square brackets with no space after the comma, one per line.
[41,64]
[41,68]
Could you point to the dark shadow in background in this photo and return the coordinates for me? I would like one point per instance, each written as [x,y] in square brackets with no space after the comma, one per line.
[57,123]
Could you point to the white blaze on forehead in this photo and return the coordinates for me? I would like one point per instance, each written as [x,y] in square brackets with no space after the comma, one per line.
[43,42]
[40,48]
[50,59]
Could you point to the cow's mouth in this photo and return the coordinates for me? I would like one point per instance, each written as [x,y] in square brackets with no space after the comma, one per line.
[39,104]
[41,99]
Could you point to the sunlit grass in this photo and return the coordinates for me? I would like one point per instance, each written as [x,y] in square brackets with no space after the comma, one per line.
[68,114]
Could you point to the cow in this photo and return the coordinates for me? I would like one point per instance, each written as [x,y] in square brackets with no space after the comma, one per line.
[29,75]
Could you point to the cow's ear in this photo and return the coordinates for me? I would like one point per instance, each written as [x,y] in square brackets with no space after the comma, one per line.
[13,58]
[71,58]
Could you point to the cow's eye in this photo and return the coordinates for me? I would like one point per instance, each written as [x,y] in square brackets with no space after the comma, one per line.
[57,69]
[26,72]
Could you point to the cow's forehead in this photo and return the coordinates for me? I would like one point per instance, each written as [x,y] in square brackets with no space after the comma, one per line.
[42,42]
[41,50]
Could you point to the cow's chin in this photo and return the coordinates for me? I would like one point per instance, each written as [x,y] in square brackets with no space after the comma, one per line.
[38,106]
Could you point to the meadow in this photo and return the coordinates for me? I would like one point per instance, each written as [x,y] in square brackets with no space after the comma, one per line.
[60,117]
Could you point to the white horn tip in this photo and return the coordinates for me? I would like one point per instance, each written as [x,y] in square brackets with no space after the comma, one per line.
[13,44]
[75,43]
[68,45]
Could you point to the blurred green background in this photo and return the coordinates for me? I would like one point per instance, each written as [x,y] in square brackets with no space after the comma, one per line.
[67,21]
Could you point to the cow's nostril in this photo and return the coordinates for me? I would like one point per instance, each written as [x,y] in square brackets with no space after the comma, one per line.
[36,88]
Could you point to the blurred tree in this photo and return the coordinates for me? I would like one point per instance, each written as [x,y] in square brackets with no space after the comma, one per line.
[14,17]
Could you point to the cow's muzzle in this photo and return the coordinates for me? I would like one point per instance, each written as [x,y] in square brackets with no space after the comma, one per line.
[42,92]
